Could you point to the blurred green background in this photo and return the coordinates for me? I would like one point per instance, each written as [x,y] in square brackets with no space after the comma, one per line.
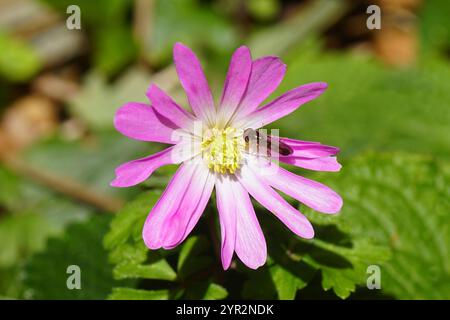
[387,108]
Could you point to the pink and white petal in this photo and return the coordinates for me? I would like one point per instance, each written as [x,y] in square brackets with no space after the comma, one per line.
[153,232]
[311,193]
[296,142]
[282,106]
[227,207]
[269,198]
[250,244]
[136,171]
[266,75]
[235,83]
[194,82]
[165,106]
[309,149]
[318,164]
[181,222]
[141,122]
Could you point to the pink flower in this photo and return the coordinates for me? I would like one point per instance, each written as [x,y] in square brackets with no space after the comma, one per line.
[219,156]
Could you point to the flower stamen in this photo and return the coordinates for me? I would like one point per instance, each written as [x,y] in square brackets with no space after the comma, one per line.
[221,149]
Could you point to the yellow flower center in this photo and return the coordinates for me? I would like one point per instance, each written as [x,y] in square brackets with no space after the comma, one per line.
[221,149]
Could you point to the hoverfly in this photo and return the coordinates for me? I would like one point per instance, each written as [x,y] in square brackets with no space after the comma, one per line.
[255,138]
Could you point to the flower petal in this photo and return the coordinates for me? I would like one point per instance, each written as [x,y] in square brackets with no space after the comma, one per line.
[194,82]
[282,106]
[235,83]
[136,171]
[313,194]
[153,232]
[308,149]
[266,75]
[165,106]
[180,224]
[318,164]
[179,208]
[269,198]
[227,207]
[141,122]
[250,244]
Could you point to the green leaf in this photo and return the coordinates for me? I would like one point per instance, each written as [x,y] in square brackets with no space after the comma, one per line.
[259,285]
[112,39]
[156,268]
[435,26]
[114,48]
[45,274]
[132,260]
[282,276]
[98,101]
[91,161]
[215,292]
[136,294]
[193,256]
[185,20]
[286,282]
[22,235]
[315,18]
[129,261]
[206,291]
[18,62]
[339,258]
[400,201]
[342,278]
[130,220]
[128,252]
[10,283]
[112,10]
[31,212]
[263,9]
[10,184]
[34,212]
